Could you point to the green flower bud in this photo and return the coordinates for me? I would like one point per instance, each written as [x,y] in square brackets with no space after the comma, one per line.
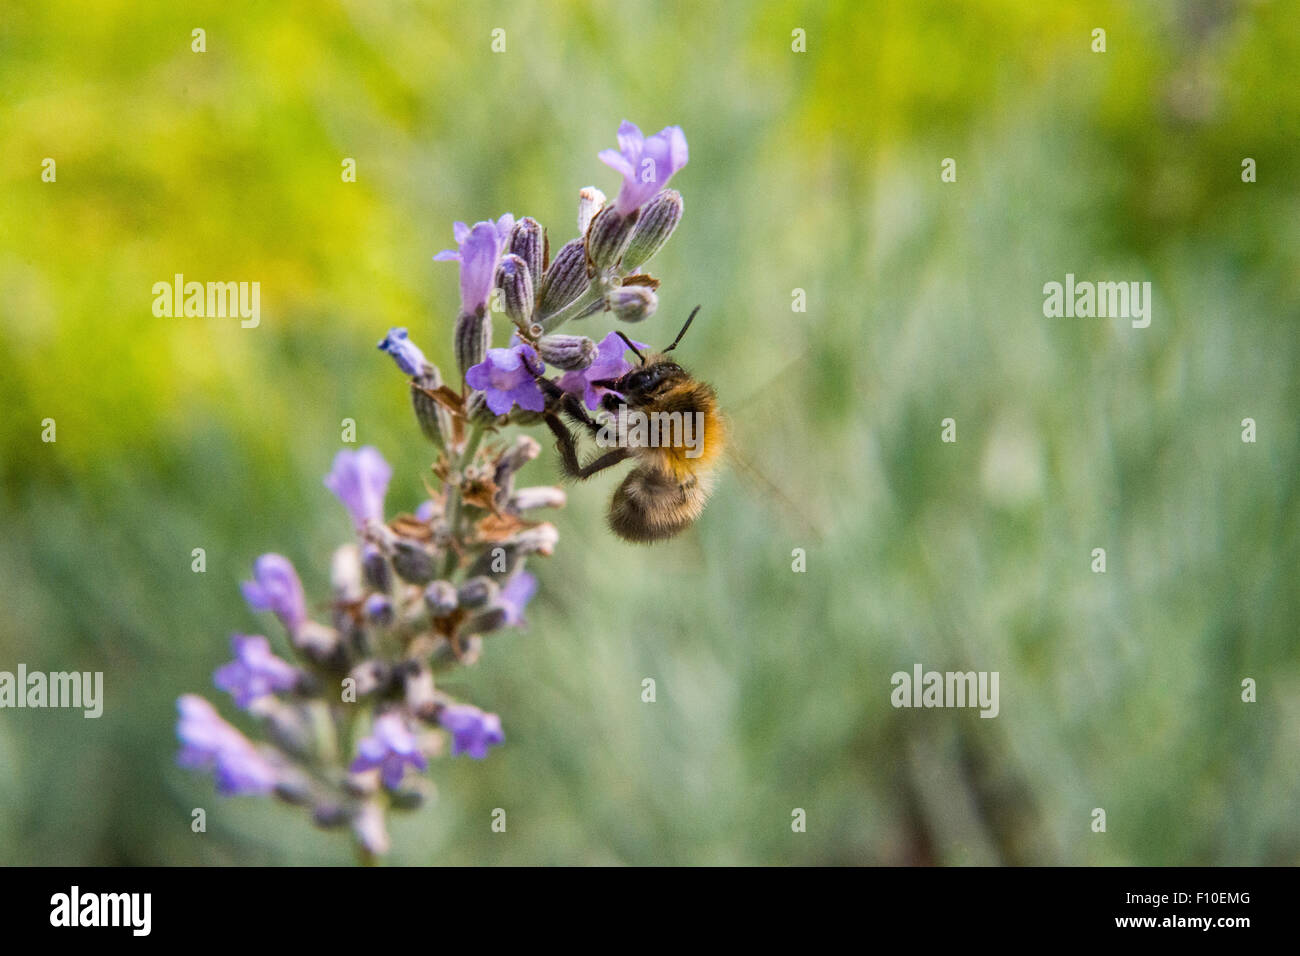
[516,287]
[607,237]
[632,303]
[477,592]
[564,280]
[659,217]
[440,598]
[473,336]
[433,418]
[528,242]
[492,618]
[412,562]
[477,411]
[567,352]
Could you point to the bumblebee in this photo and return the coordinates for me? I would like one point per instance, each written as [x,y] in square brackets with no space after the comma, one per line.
[676,464]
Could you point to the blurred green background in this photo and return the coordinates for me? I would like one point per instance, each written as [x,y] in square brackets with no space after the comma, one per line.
[817,171]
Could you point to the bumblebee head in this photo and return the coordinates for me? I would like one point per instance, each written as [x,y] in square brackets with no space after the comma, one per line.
[641,384]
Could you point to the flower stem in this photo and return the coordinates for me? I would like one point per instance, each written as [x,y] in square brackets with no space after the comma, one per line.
[453,496]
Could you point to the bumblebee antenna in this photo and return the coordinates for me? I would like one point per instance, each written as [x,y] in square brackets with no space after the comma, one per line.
[628,342]
[683,331]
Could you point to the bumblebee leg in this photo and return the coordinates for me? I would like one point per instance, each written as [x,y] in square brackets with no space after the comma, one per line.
[568,449]
[567,403]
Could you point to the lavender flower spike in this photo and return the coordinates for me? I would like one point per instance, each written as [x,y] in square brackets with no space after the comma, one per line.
[472,731]
[360,480]
[406,353]
[255,672]
[391,747]
[209,742]
[609,363]
[479,249]
[275,587]
[646,164]
[508,377]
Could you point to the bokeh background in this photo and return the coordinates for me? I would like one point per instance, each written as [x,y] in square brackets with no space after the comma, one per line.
[817,171]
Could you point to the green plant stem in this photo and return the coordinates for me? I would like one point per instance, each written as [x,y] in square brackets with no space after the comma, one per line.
[465,456]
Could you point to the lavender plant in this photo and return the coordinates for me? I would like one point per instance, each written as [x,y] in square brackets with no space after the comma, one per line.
[351,722]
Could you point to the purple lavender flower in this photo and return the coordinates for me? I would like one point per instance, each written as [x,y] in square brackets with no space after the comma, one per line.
[255,671]
[472,731]
[360,479]
[478,250]
[275,587]
[609,363]
[514,597]
[508,377]
[210,743]
[646,164]
[391,747]
[406,353]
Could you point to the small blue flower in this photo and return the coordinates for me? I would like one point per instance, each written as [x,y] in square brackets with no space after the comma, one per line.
[509,377]
[275,587]
[360,479]
[472,731]
[646,164]
[255,672]
[406,353]
[209,743]
[390,747]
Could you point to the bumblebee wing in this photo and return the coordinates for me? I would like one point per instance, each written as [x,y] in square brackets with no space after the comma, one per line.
[766,435]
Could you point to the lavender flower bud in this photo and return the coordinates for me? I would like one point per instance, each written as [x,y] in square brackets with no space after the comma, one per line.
[493,618]
[528,242]
[477,410]
[516,285]
[368,827]
[412,795]
[565,280]
[375,567]
[379,609]
[294,791]
[420,698]
[317,641]
[567,352]
[659,218]
[607,237]
[327,815]
[524,450]
[590,201]
[477,592]
[540,539]
[440,598]
[369,676]
[632,303]
[345,574]
[473,337]
[412,562]
[286,726]
[541,496]
[432,416]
